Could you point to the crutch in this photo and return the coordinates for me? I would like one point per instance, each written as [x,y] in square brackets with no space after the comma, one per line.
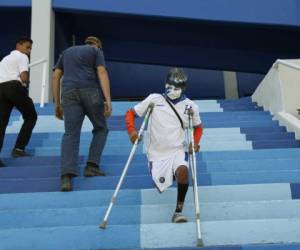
[193,167]
[134,147]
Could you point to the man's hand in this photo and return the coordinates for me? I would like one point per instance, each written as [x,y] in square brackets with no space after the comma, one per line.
[107,109]
[196,148]
[59,113]
[133,136]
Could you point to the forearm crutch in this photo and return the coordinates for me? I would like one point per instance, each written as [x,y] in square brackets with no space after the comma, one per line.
[193,167]
[134,147]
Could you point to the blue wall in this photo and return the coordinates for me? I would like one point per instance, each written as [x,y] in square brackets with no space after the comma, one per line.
[209,45]
[248,82]
[143,38]
[282,12]
[15,20]
[15,3]
[14,23]
[138,80]
[137,40]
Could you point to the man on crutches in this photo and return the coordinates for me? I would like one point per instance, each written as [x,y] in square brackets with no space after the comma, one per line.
[165,140]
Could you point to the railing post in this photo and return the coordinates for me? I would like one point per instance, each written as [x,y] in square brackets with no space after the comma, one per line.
[43,84]
[44,75]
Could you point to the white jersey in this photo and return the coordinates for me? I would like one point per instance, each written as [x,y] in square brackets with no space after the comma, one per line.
[12,66]
[165,135]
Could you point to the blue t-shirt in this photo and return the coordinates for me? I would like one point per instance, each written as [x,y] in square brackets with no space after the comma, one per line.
[79,64]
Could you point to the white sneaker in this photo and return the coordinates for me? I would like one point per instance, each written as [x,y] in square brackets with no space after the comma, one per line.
[179,218]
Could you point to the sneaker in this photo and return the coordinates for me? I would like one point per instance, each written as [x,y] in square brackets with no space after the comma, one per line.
[179,218]
[19,153]
[66,183]
[2,164]
[92,169]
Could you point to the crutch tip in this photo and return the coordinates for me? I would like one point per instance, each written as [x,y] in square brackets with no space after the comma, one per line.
[200,243]
[103,225]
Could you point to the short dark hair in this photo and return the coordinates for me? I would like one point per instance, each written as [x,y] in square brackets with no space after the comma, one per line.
[92,40]
[23,39]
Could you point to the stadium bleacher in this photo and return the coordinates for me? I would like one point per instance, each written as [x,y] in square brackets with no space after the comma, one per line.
[248,172]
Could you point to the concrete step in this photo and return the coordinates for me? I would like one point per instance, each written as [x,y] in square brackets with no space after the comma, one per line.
[148,235]
[286,153]
[141,168]
[92,198]
[145,181]
[147,214]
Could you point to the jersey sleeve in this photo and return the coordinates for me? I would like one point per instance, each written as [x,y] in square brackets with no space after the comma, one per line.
[196,117]
[141,108]
[100,61]
[23,64]
[198,131]
[130,120]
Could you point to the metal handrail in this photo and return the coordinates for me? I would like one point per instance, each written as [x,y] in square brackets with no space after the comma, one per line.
[37,62]
[44,74]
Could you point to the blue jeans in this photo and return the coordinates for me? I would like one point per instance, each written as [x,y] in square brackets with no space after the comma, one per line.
[78,103]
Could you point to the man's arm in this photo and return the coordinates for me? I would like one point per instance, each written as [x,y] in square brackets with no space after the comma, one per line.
[23,67]
[57,75]
[130,125]
[105,86]
[24,76]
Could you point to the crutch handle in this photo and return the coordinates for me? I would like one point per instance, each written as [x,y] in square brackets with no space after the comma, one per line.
[190,110]
[141,131]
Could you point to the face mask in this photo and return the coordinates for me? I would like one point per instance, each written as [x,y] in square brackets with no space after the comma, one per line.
[173,92]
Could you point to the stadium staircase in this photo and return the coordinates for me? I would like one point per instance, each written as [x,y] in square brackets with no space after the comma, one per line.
[249,188]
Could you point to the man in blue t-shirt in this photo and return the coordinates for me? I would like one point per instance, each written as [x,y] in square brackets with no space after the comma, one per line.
[85,91]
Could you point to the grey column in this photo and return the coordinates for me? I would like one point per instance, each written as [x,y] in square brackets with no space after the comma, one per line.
[231,85]
[42,34]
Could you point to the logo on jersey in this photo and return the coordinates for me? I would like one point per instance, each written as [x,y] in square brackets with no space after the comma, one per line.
[187,107]
[162,179]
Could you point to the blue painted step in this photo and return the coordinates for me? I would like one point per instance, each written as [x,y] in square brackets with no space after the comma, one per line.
[270,136]
[97,198]
[282,246]
[248,131]
[204,156]
[141,168]
[147,214]
[241,108]
[235,113]
[258,129]
[276,144]
[71,238]
[144,181]
[147,236]
[251,154]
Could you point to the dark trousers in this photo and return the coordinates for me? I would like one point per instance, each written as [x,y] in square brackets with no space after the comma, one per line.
[13,94]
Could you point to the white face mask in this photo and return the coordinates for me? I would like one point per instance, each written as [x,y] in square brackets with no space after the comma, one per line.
[173,92]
